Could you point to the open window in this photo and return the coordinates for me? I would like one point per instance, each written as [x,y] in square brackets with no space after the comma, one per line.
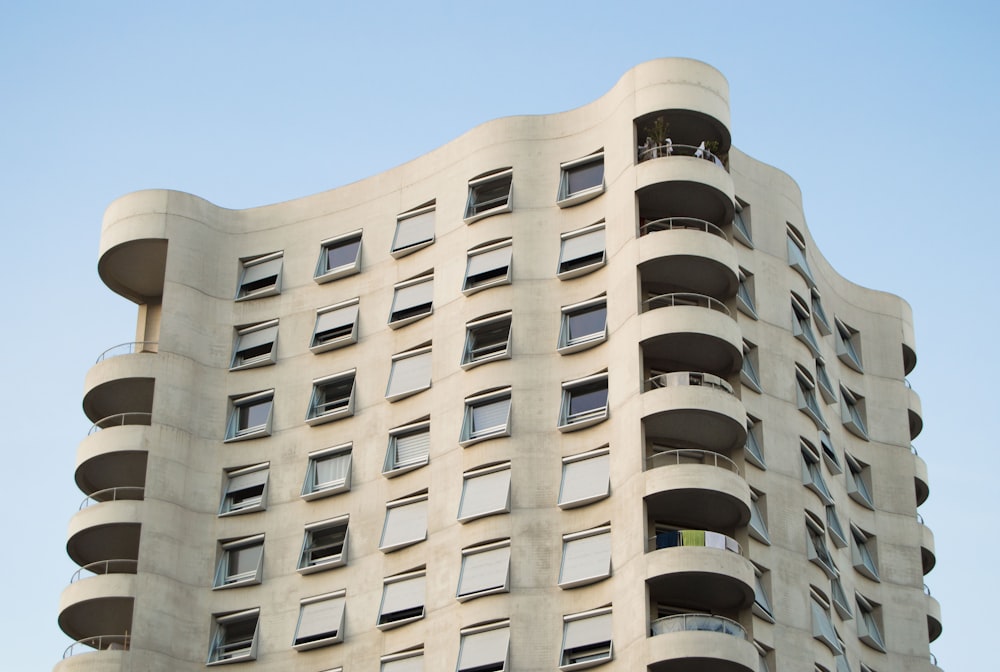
[321,621]
[485,647]
[822,625]
[758,517]
[260,276]
[748,374]
[405,523]
[332,398]
[487,339]
[489,194]
[485,570]
[410,660]
[853,413]
[584,402]
[245,490]
[234,637]
[488,265]
[410,373]
[816,549]
[812,472]
[801,324]
[250,416]
[762,594]
[586,478]
[485,492]
[586,557]
[336,326]
[864,553]
[819,314]
[255,345]
[859,486]
[487,416]
[581,179]
[402,600]
[839,599]
[745,293]
[849,345]
[797,254]
[324,545]
[414,231]
[412,300]
[870,622]
[241,562]
[338,257]
[829,453]
[584,325]
[823,381]
[586,640]
[581,251]
[834,528]
[408,449]
[754,447]
[328,472]
[805,389]
[741,223]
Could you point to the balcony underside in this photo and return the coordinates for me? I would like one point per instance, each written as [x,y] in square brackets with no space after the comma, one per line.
[98,605]
[700,652]
[689,127]
[691,339]
[120,396]
[105,531]
[135,269]
[698,496]
[690,261]
[700,578]
[694,417]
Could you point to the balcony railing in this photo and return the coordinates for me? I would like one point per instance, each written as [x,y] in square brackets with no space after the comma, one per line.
[127,349]
[685,299]
[677,223]
[112,495]
[121,419]
[99,643]
[697,623]
[670,149]
[691,456]
[689,538]
[682,378]
[116,566]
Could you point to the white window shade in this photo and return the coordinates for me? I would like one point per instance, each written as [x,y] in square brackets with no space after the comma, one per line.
[484,572]
[412,298]
[413,231]
[484,262]
[482,649]
[405,524]
[485,494]
[408,664]
[335,326]
[320,623]
[409,375]
[490,415]
[592,635]
[255,346]
[585,560]
[581,250]
[408,449]
[402,600]
[243,489]
[585,481]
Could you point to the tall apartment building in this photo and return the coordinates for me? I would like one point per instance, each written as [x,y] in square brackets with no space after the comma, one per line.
[570,391]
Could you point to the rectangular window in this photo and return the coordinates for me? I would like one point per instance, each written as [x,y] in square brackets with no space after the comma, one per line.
[754,447]
[240,562]
[402,600]
[412,300]
[581,251]
[822,625]
[584,402]
[869,623]
[849,346]
[408,449]
[758,517]
[859,482]
[586,640]
[819,314]
[484,648]
[864,553]
[812,472]
[584,325]
[485,570]
[586,557]
[489,194]
[852,412]
[485,492]
[835,529]
[321,621]
[805,390]
[414,231]
[817,551]
[825,386]
[488,265]
[234,637]
[581,180]
[741,223]
[339,257]
[411,660]
[801,326]
[255,345]
[761,594]
[259,276]
[487,339]
[486,416]
[405,523]
[745,293]
[328,473]
[748,374]
[245,490]
[336,326]
[250,416]
[797,254]
[829,454]
[839,599]
[332,398]
[410,373]
[586,478]
[324,545]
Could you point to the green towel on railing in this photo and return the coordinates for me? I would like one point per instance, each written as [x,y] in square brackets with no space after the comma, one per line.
[692,537]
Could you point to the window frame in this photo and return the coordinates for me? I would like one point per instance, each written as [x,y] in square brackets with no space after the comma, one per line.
[745,294]
[802,324]
[841,605]
[762,607]
[571,422]
[308,565]
[829,453]
[424,353]
[812,472]
[468,637]
[248,263]
[859,486]
[342,336]
[408,315]
[823,382]
[849,345]
[473,213]
[501,548]
[414,500]
[237,404]
[797,258]
[574,267]
[228,492]
[853,413]
[816,549]
[864,553]
[568,345]
[469,435]
[413,216]
[822,621]
[324,272]
[604,454]
[317,414]
[381,622]
[593,653]
[805,389]
[834,527]
[326,637]
[748,371]
[220,623]
[397,662]
[566,198]
[758,513]
[238,362]
[311,489]
[743,231]
[391,466]
[496,277]
[486,323]
[869,625]
[484,472]
[755,436]
[573,581]
[819,313]
[223,577]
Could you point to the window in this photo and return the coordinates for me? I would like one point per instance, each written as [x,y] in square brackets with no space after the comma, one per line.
[801,326]
[405,661]
[245,490]
[485,570]
[336,326]
[744,294]
[234,637]
[255,345]
[822,625]
[761,594]
[485,491]
[409,448]
[805,390]
[488,266]
[414,231]
[754,447]
[834,527]
[413,299]
[586,639]
[410,373]
[328,473]
[250,416]
[240,562]
[864,553]
[859,482]
[402,600]
[586,478]
[797,254]
[321,621]
[741,223]
[487,416]
[758,517]
[489,194]
[405,522]
[852,412]
[484,648]
[849,346]
[581,251]
[839,599]
[819,315]
[259,276]
[825,386]
[584,402]
[584,325]
[748,374]
[486,340]
[812,472]
[829,454]
[869,623]
[324,545]
[586,557]
[332,398]
[338,257]
[581,180]
[816,550]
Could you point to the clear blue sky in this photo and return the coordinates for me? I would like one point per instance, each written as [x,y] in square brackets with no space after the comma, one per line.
[884,112]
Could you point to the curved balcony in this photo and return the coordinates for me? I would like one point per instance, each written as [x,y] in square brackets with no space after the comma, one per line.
[97,605]
[109,647]
[113,495]
[104,531]
[927,557]
[698,567]
[909,359]
[683,331]
[699,643]
[676,185]
[696,122]
[914,412]
[130,348]
[696,487]
[687,409]
[921,484]
[694,260]
[135,269]
[101,567]
[113,458]
[934,627]
[120,385]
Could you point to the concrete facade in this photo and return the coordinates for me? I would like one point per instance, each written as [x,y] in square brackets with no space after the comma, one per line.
[707,503]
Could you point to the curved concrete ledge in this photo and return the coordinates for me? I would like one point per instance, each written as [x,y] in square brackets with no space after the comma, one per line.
[697,495]
[712,578]
[688,651]
[667,174]
[97,605]
[927,556]
[920,480]
[121,385]
[934,626]
[105,531]
[692,338]
[701,262]
[691,416]
[915,414]
[112,457]
[682,83]
[90,660]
